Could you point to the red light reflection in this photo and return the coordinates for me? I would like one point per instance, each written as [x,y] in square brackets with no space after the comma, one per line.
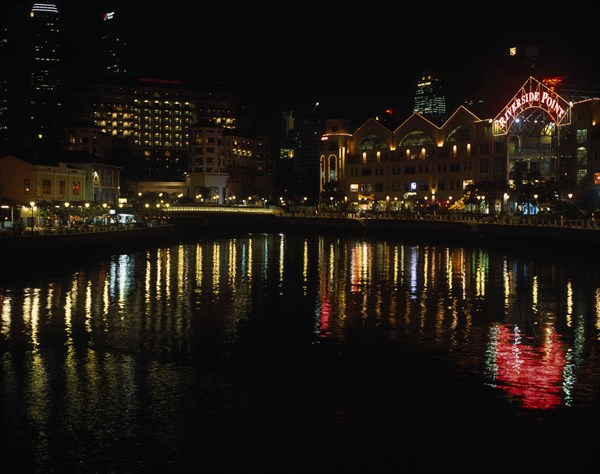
[531,373]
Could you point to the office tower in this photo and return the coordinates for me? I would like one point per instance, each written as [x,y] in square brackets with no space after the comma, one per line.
[430,100]
[3,87]
[121,40]
[45,80]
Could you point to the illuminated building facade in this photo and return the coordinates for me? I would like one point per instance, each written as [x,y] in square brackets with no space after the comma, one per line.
[225,167]
[153,115]
[537,136]
[23,181]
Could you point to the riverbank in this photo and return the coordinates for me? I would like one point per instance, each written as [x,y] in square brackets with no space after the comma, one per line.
[79,242]
[514,233]
[528,232]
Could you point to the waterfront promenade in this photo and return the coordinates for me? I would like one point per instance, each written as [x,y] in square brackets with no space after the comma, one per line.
[461,228]
[527,232]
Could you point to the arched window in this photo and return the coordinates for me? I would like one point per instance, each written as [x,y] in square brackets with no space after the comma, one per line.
[462,133]
[416,138]
[372,142]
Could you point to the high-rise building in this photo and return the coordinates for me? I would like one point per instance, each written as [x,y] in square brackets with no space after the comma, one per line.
[121,41]
[430,100]
[3,86]
[45,76]
[31,76]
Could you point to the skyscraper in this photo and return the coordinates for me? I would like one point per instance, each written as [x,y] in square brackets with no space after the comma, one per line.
[45,79]
[120,41]
[430,100]
[3,86]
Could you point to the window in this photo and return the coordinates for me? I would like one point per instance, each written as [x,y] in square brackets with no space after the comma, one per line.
[26,186]
[46,186]
[76,187]
[63,187]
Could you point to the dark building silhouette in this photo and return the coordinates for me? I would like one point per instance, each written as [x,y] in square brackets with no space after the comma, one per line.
[31,96]
[430,100]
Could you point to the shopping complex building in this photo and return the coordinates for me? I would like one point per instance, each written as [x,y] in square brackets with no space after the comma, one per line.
[539,147]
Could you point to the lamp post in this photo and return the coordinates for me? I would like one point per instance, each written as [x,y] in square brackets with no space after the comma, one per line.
[67,204]
[570,196]
[105,218]
[32,204]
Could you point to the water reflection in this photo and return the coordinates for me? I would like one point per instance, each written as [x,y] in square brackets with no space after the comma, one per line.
[131,343]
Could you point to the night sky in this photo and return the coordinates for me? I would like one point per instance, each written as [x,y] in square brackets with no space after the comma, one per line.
[356,59]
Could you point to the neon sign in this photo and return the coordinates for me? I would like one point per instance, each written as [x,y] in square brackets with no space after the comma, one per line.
[533,94]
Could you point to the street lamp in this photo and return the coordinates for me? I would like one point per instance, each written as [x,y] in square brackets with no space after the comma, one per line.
[32,204]
[67,204]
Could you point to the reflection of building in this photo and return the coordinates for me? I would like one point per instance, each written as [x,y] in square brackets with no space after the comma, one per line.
[537,134]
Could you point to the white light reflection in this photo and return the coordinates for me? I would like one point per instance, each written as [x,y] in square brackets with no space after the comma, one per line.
[281,258]
[147,284]
[449,272]
[6,314]
[412,272]
[88,306]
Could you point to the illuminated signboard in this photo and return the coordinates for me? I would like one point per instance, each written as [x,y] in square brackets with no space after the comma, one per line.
[108,16]
[533,94]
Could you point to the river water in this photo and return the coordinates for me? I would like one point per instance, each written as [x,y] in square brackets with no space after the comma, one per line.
[299,353]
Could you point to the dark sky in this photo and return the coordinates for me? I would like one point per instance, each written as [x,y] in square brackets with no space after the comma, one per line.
[357,58]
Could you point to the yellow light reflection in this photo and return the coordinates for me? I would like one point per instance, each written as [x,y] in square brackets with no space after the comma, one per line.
[305,266]
[249,261]
[569,317]
[534,294]
[181,266]
[597,298]
[31,307]
[232,265]
[199,258]
[216,255]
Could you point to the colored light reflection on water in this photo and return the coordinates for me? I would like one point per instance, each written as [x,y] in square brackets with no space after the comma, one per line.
[530,368]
